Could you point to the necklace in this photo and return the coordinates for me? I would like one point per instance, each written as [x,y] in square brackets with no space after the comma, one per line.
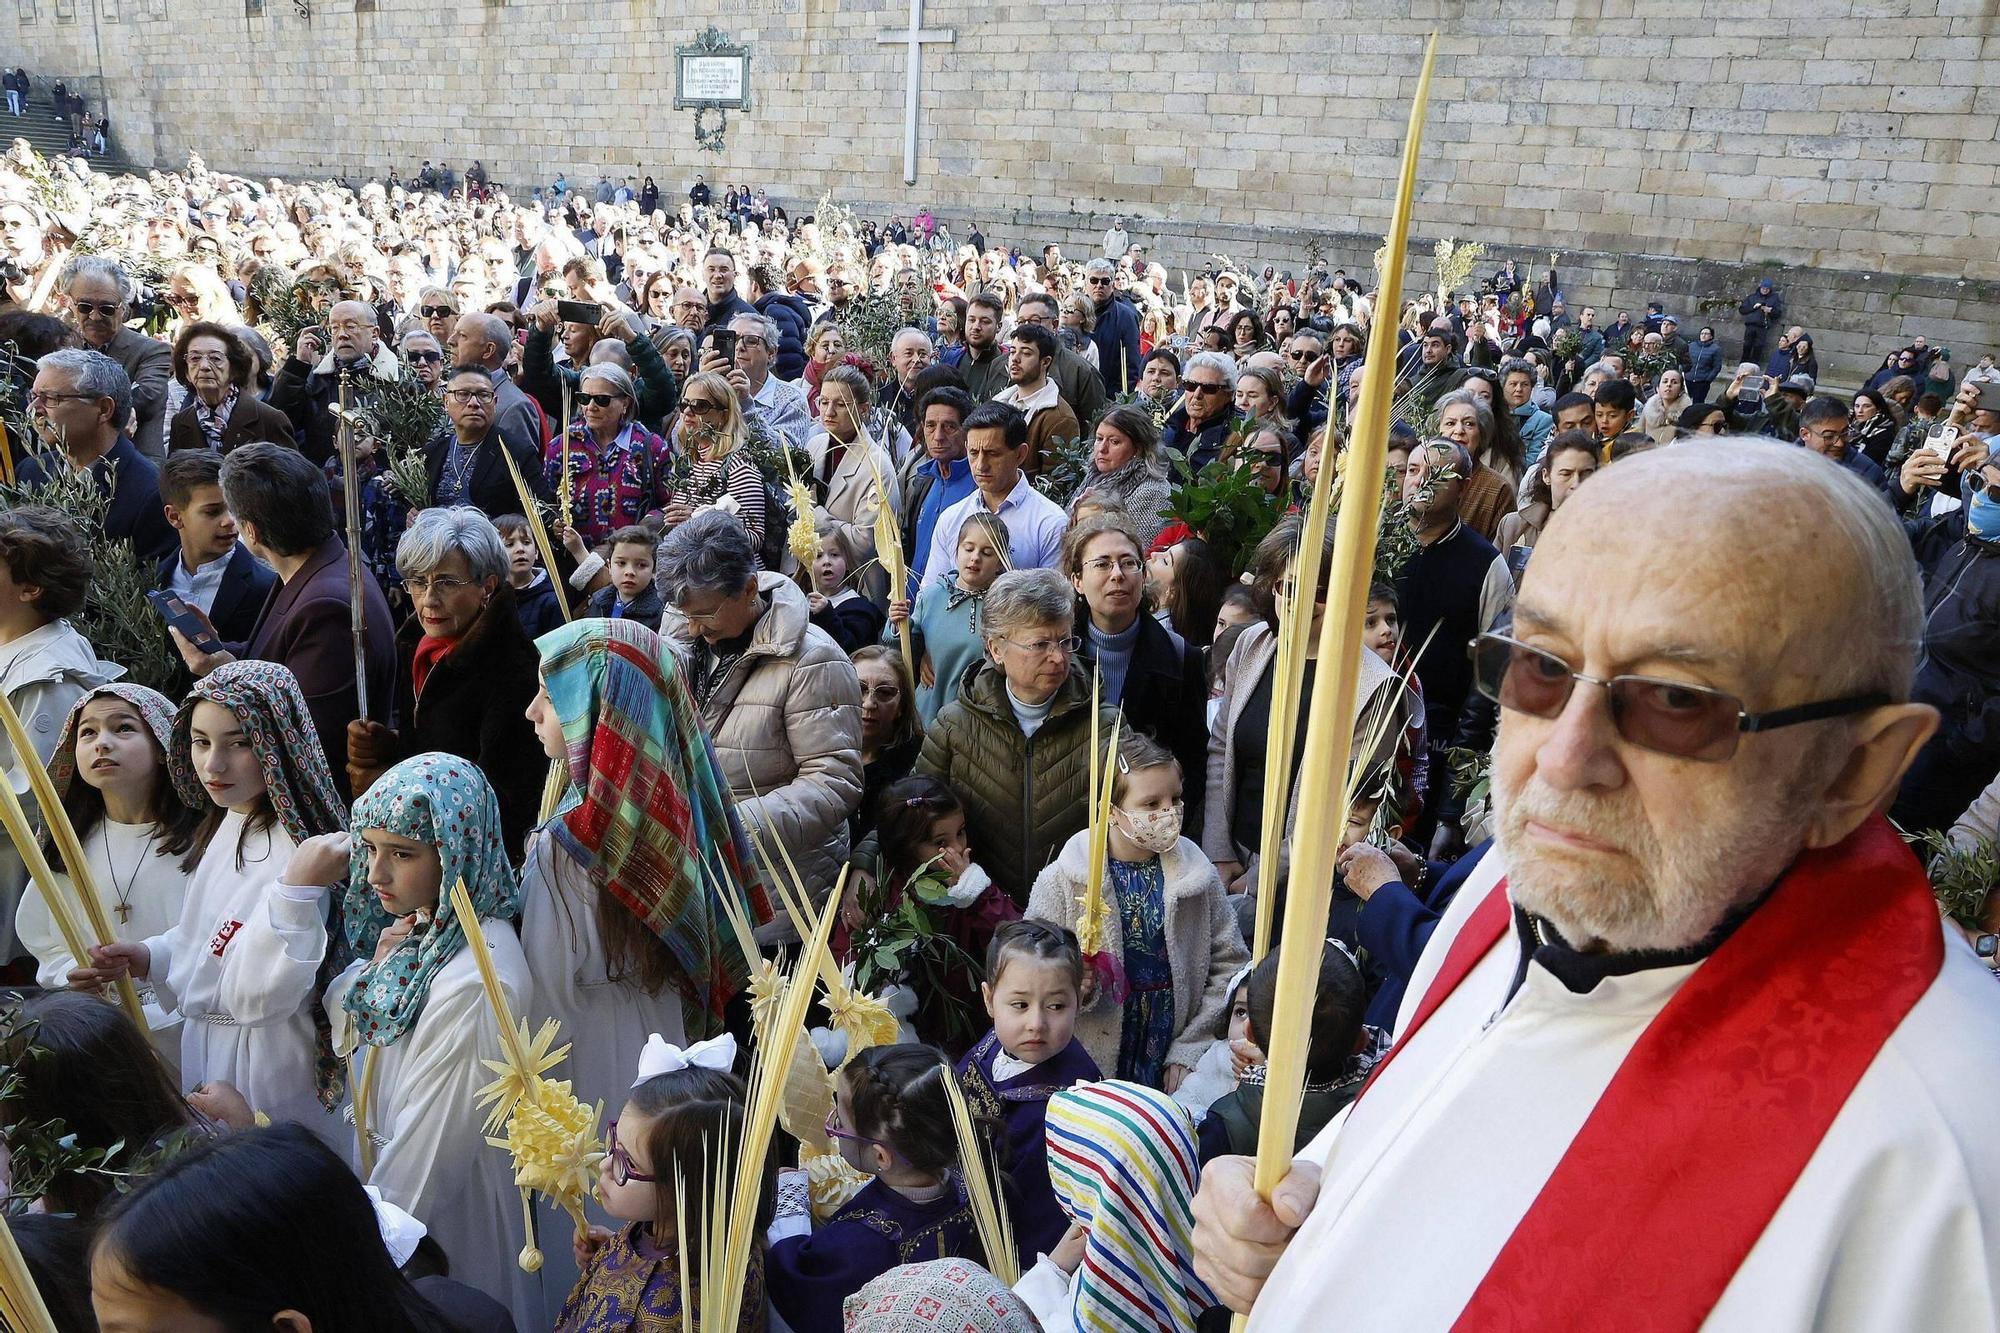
[458,464]
[124,891]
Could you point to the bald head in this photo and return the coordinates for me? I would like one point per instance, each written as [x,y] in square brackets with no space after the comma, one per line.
[480,339]
[351,327]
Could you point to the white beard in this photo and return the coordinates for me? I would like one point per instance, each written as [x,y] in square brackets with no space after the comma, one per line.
[1658,896]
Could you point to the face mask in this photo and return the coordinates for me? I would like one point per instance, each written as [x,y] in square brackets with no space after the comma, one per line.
[1982,516]
[1155,831]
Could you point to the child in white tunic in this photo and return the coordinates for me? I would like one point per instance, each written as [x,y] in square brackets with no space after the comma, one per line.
[242,963]
[110,769]
[411,1016]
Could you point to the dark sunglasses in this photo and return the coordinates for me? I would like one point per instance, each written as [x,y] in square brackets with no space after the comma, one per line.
[424,356]
[95,307]
[434,311]
[1196,386]
[1668,717]
[600,399]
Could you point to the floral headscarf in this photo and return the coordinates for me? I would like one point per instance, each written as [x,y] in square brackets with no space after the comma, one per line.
[1123,1162]
[156,710]
[268,706]
[445,801]
[944,1296]
[652,804]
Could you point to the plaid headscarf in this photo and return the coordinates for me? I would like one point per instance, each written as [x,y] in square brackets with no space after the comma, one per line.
[442,800]
[268,706]
[1123,1162]
[652,802]
[942,1296]
[154,708]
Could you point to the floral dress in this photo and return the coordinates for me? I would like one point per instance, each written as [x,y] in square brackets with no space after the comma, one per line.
[1148,1031]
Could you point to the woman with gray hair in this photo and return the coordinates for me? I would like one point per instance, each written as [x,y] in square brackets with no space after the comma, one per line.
[777,695]
[1015,743]
[1127,470]
[619,472]
[465,670]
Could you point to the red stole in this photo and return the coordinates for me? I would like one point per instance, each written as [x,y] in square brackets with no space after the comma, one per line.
[1713,1114]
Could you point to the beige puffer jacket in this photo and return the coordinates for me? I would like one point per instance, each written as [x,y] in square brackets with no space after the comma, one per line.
[786,722]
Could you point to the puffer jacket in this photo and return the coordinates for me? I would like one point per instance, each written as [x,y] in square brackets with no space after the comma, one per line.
[786,722]
[793,317]
[1024,796]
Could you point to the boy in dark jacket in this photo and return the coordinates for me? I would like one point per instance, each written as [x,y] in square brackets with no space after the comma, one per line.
[631,595]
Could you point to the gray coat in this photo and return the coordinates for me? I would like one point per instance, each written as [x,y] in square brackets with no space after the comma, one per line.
[149,363]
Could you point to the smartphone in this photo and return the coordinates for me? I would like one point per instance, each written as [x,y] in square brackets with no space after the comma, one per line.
[1752,384]
[723,343]
[580,312]
[1989,395]
[1942,440]
[192,624]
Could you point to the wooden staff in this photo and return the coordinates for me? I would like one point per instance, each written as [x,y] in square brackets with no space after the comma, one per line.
[63,834]
[568,516]
[357,615]
[1324,789]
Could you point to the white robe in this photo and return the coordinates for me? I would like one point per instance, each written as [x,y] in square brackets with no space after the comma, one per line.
[1893,1224]
[431,1158]
[157,888]
[606,1022]
[240,965]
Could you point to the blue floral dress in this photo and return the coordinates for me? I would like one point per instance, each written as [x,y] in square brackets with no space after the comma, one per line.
[1148,1031]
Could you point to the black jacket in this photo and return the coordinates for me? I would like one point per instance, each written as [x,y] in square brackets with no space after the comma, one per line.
[1165,696]
[793,318]
[1200,446]
[647,610]
[489,488]
[475,705]
[1440,588]
[1753,318]
[246,583]
[721,312]
[131,485]
[304,395]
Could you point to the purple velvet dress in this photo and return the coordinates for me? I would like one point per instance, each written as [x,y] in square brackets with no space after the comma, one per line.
[810,1277]
[1021,1105]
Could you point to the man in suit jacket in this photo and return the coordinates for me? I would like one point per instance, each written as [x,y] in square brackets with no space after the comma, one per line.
[222,410]
[283,511]
[212,569]
[464,463]
[99,294]
[77,405]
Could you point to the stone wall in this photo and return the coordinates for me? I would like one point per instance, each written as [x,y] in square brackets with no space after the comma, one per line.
[1850,141]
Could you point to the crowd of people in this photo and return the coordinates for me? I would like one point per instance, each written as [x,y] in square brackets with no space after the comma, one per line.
[828,558]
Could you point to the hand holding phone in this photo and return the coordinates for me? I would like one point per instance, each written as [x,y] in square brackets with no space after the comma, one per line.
[188,619]
[579,312]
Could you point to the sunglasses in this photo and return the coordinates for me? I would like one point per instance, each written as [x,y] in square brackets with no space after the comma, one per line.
[1669,717]
[87,308]
[700,406]
[423,356]
[1196,386]
[600,399]
[434,311]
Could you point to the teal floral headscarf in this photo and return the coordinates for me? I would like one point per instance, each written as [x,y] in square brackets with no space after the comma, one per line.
[442,800]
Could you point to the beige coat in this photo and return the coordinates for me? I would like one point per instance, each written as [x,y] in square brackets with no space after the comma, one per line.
[1204,947]
[786,722]
[1254,654]
[851,498]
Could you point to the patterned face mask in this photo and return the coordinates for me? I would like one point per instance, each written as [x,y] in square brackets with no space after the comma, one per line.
[1154,830]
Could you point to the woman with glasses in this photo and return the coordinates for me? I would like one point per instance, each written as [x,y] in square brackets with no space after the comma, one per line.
[465,669]
[714,470]
[616,471]
[1015,743]
[197,292]
[223,409]
[438,309]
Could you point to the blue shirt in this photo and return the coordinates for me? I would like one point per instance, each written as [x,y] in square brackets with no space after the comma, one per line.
[953,483]
[1035,528]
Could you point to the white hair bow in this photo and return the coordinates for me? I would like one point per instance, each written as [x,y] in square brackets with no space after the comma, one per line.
[663,1057]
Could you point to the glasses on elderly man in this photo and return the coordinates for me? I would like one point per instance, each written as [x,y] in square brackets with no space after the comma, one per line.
[89,308]
[1669,717]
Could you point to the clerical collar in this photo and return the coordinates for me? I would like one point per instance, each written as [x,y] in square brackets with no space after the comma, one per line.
[1580,972]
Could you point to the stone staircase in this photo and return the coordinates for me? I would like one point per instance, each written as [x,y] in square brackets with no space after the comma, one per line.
[48,133]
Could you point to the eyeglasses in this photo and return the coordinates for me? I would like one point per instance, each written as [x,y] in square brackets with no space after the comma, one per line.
[469,395]
[1199,386]
[1104,564]
[600,399]
[423,356]
[89,308]
[834,1131]
[700,406]
[179,301]
[1669,717]
[622,1172]
[48,396]
[207,359]
[435,311]
[749,340]
[1047,647]
[444,585]
[1300,354]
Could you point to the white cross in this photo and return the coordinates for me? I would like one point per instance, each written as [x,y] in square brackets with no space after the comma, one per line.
[914,36]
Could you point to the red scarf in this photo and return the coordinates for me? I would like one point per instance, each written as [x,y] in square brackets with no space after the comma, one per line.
[429,652]
[1711,1117]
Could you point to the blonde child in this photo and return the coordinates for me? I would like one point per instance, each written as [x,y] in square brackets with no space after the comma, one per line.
[945,633]
[1168,925]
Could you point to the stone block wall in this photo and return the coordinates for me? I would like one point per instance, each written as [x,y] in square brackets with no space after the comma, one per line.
[1852,142]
